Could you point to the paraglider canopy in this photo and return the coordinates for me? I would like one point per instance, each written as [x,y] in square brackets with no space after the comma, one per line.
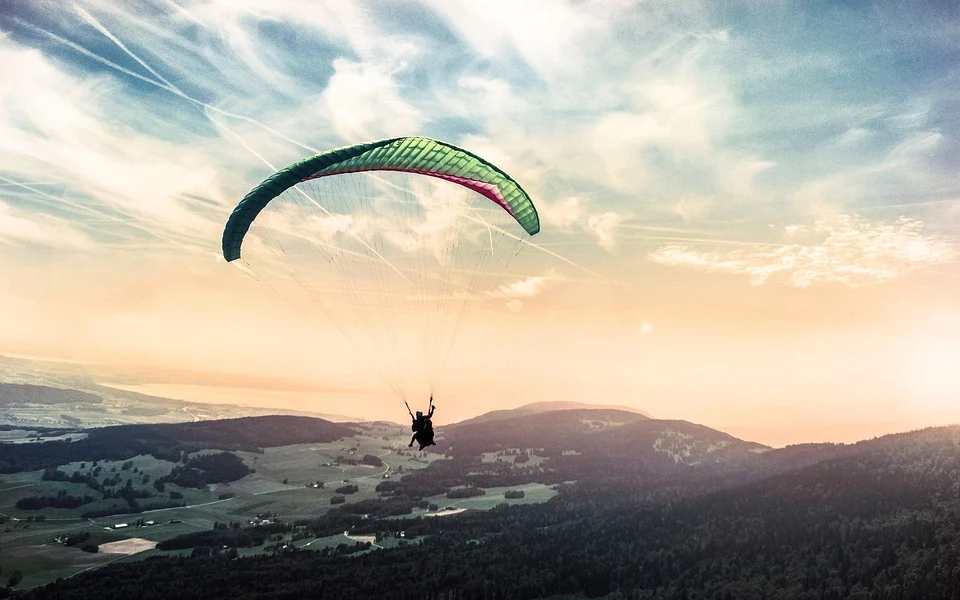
[395,240]
[406,154]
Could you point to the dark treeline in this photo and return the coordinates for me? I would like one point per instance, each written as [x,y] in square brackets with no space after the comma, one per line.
[60,500]
[171,441]
[881,522]
[130,509]
[370,459]
[87,479]
[232,536]
[197,472]
[442,476]
[466,492]
[42,431]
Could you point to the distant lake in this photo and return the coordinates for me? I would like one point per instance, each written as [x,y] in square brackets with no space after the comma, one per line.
[324,403]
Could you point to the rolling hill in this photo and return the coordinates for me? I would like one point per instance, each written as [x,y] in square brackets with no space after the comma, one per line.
[542,407]
[553,431]
[20,394]
[168,441]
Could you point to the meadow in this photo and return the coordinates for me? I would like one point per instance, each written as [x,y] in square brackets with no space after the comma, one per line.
[288,483]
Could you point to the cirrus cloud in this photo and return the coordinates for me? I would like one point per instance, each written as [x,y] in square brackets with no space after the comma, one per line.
[604,227]
[846,250]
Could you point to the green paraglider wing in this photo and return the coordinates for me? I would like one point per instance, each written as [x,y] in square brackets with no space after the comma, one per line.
[409,154]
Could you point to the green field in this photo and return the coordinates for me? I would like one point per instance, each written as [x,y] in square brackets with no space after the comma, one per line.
[533,493]
[32,436]
[510,457]
[282,484]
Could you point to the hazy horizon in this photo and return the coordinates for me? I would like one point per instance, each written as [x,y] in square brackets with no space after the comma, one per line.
[382,406]
[749,217]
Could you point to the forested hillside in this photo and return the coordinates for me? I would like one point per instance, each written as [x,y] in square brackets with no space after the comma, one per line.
[880,521]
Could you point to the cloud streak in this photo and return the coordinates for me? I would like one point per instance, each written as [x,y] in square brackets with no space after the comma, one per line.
[527,288]
[849,251]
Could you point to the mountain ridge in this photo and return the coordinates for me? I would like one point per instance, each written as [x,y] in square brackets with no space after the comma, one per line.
[546,406]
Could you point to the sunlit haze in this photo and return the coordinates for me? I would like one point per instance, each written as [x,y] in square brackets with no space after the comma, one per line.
[749,213]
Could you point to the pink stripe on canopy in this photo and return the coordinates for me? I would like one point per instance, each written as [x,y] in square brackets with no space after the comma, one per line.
[487,190]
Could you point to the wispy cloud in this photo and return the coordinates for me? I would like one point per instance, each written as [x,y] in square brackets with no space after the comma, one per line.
[529,286]
[541,32]
[604,226]
[113,180]
[526,288]
[363,103]
[563,213]
[19,227]
[847,251]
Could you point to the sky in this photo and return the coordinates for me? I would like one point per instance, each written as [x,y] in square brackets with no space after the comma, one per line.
[749,210]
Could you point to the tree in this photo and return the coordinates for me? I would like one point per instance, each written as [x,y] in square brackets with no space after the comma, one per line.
[15,578]
[373,461]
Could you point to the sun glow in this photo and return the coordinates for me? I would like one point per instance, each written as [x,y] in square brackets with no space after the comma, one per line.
[933,378]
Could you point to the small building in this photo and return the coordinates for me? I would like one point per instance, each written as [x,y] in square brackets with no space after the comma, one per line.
[120,525]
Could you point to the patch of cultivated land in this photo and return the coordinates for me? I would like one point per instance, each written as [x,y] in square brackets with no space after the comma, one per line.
[331,541]
[510,456]
[32,549]
[127,547]
[533,493]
